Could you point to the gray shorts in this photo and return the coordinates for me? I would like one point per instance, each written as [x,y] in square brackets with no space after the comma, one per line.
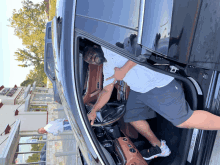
[168,101]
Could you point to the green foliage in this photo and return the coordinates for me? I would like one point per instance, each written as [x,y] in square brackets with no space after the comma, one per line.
[31,56]
[29,25]
[38,75]
[35,147]
[27,82]
[50,85]
[52,10]
[33,158]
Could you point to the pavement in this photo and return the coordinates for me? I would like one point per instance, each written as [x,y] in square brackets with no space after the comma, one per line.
[69,145]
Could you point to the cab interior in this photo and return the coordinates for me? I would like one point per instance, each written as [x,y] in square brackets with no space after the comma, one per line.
[178,139]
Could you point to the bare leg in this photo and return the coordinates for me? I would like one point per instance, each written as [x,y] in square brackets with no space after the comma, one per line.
[202,120]
[143,128]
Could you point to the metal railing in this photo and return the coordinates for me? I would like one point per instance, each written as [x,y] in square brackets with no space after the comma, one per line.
[12,123]
[30,163]
[4,141]
[6,127]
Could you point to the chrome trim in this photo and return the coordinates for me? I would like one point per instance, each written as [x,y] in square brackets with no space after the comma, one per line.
[141,21]
[210,91]
[54,37]
[74,86]
[199,91]
[196,131]
[192,145]
[200,139]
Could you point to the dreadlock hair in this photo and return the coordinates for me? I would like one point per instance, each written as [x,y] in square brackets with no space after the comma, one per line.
[98,51]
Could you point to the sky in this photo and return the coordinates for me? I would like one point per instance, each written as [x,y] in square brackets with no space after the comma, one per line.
[10,72]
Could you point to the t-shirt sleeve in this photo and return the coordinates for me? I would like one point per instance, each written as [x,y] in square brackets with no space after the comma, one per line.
[47,127]
[108,68]
[107,74]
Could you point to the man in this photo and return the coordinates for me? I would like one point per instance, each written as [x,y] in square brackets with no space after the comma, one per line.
[161,93]
[134,112]
[55,127]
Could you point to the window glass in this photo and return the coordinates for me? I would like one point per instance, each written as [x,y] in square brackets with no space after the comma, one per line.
[119,12]
[49,33]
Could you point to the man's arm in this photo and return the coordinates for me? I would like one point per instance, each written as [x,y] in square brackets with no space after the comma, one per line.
[104,97]
[120,73]
[127,66]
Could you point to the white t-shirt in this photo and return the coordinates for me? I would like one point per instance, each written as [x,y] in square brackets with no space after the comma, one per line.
[55,127]
[139,78]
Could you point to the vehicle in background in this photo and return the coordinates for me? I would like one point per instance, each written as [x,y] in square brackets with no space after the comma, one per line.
[49,61]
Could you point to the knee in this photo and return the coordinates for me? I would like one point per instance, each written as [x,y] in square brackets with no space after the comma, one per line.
[138,123]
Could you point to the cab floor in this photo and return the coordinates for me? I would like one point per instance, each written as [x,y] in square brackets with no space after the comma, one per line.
[163,130]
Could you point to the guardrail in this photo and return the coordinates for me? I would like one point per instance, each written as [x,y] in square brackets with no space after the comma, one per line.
[7,129]
[19,94]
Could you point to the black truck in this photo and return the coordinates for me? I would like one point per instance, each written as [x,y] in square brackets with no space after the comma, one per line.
[173,37]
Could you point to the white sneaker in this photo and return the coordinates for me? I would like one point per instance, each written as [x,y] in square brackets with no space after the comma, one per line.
[156,151]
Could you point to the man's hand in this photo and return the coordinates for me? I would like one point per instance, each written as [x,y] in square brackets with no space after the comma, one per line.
[91,117]
[119,74]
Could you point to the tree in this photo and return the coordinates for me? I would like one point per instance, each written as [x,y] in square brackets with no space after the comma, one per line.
[38,75]
[52,11]
[50,85]
[29,25]
[30,57]
[27,82]
[35,147]
[33,158]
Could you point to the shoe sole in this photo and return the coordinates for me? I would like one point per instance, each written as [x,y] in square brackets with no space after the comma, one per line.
[158,155]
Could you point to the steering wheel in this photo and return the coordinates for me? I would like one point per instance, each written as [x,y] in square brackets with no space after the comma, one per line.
[109,114]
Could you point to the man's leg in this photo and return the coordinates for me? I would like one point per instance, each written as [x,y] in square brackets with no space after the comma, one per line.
[136,113]
[201,119]
[143,128]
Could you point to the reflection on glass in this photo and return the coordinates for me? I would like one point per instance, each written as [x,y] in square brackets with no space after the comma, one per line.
[176,40]
[157,25]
